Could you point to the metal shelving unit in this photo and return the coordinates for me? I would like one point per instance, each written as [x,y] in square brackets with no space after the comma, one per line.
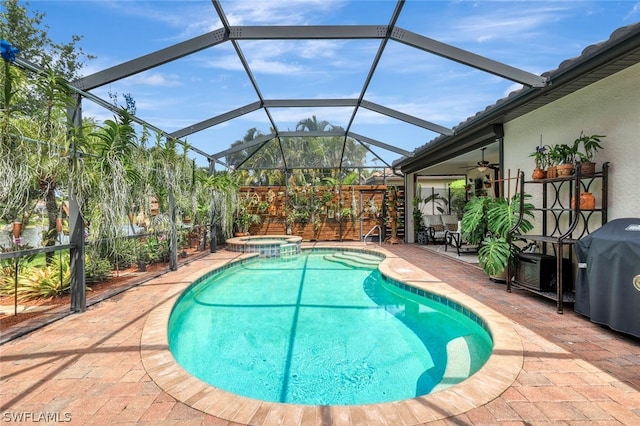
[564,223]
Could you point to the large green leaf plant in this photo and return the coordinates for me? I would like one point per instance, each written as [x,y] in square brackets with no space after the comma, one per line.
[494,224]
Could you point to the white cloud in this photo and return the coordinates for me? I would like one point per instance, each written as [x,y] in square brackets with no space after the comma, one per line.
[634,13]
[281,12]
[506,21]
[265,66]
[156,79]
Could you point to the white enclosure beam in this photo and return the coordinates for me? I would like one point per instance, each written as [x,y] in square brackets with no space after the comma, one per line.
[307,32]
[205,124]
[380,144]
[406,118]
[151,60]
[467,58]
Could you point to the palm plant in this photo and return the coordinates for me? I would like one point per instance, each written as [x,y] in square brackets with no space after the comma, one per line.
[313,125]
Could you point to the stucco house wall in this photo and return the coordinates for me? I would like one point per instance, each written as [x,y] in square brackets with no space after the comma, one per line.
[609,107]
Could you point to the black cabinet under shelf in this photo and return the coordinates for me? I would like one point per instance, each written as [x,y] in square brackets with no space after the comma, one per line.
[537,271]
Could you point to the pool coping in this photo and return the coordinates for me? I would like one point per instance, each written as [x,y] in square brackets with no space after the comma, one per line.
[264,240]
[498,373]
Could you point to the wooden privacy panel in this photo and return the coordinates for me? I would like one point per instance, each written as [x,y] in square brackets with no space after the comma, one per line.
[321,213]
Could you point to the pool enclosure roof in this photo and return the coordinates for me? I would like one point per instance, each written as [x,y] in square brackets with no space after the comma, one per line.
[284,141]
[289,106]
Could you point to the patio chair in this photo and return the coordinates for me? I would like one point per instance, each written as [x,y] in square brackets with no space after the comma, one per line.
[450,222]
[453,238]
[435,227]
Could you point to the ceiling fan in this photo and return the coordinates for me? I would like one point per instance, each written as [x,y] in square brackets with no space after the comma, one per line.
[484,165]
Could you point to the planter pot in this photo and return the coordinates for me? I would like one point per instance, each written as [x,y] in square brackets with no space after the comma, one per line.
[499,278]
[17,228]
[587,201]
[552,172]
[423,238]
[538,174]
[565,170]
[588,169]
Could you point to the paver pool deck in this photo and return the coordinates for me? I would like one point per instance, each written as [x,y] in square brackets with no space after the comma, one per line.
[108,365]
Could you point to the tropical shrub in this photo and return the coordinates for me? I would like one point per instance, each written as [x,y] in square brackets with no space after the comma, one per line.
[97,269]
[36,283]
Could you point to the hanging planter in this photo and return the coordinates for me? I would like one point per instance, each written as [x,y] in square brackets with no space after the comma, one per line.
[17,229]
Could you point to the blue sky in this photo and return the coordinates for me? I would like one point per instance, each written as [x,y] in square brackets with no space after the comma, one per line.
[535,36]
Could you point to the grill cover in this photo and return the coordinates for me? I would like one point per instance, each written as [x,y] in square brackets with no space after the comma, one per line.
[608,289]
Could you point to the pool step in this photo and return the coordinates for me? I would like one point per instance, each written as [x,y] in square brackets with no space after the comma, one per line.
[462,353]
[290,249]
[353,259]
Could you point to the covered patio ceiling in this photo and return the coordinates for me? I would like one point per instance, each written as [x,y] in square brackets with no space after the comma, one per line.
[279,104]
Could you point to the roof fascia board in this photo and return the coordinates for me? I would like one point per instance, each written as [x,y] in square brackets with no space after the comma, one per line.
[379,144]
[303,103]
[205,124]
[307,32]
[257,141]
[450,147]
[406,118]
[151,60]
[467,58]
[607,53]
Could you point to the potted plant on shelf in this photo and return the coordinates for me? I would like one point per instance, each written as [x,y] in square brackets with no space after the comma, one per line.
[565,156]
[553,159]
[541,157]
[493,224]
[590,145]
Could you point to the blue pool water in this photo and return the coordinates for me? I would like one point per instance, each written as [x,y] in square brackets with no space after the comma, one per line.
[312,331]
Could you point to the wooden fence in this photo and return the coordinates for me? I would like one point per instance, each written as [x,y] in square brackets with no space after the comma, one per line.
[319,213]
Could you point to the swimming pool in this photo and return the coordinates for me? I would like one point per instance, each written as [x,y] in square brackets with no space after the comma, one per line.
[492,380]
[333,331]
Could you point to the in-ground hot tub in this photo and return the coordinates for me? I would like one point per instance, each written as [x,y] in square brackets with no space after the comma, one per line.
[266,245]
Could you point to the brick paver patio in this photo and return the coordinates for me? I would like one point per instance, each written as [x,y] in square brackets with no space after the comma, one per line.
[87,368]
